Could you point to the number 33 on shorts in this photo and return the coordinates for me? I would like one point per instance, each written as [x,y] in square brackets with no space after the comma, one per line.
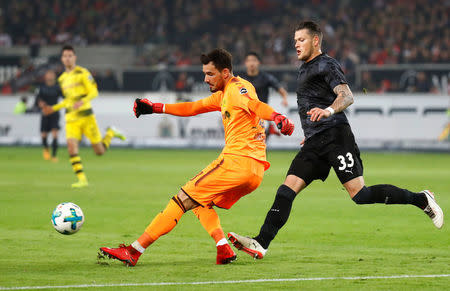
[346,162]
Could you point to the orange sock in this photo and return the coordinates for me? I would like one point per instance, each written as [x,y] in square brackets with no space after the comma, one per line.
[163,223]
[210,221]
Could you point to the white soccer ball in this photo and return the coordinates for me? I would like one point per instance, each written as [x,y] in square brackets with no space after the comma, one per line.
[67,218]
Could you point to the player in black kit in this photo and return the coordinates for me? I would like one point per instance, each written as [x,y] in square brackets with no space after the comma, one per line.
[48,94]
[262,81]
[322,96]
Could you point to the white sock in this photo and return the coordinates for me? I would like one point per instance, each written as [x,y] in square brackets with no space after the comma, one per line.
[221,242]
[137,246]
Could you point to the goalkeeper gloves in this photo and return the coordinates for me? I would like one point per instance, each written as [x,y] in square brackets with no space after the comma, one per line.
[283,123]
[145,106]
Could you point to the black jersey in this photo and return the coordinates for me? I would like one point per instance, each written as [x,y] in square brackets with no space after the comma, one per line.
[262,82]
[48,94]
[315,83]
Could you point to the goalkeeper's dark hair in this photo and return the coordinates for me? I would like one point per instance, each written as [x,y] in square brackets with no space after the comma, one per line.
[67,47]
[220,57]
[312,27]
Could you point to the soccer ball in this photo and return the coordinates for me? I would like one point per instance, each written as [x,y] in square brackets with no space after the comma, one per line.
[67,218]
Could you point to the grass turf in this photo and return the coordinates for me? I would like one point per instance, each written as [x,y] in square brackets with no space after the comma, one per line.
[327,235]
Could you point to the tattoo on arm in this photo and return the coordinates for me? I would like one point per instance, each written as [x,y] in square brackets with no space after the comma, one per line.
[344,98]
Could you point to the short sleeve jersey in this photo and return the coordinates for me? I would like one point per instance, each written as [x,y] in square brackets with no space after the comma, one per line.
[244,131]
[48,94]
[315,83]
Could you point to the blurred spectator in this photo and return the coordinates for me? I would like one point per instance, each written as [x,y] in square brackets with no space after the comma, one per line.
[367,82]
[386,86]
[5,39]
[183,83]
[108,81]
[21,106]
[422,84]
[381,32]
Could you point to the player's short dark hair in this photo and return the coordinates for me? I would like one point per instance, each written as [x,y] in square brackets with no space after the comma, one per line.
[312,27]
[220,57]
[67,47]
[255,54]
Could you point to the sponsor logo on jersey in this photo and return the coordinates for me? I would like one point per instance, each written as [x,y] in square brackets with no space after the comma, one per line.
[243,91]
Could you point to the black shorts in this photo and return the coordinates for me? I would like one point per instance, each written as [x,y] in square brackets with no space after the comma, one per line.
[50,122]
[334,147]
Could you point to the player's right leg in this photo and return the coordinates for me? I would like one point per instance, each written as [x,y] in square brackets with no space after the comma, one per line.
[77,166]
[163,223]
[45,152]
[222,184]
[390,194]
[211,223]
[275,219]
[73,136]
[45,128]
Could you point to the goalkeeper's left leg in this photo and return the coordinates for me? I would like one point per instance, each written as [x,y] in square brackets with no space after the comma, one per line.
[211,223]
[163,223]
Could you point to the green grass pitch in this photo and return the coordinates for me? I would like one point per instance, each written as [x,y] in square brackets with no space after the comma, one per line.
[327,235]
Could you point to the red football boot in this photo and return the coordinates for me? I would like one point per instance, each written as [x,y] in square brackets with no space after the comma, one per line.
[127,254]
[225,255]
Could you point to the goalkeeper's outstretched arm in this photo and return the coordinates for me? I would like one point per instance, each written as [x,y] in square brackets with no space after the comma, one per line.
[266,112]
[145,106]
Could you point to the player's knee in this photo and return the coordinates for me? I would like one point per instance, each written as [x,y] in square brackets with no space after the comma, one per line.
[285,192]
[363,196]
[186,201]
[99,150]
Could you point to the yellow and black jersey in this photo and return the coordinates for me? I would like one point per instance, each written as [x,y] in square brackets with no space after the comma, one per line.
[77,85]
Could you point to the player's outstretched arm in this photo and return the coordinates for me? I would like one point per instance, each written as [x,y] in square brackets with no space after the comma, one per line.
[48,109]
[266,112]
[145,106]
[343,100]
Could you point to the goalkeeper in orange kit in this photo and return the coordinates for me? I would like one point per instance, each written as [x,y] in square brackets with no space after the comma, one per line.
[237,172]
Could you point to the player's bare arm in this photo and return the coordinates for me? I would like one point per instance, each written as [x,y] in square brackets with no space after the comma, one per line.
[78,104]
[283,94]
[47,109]
[343,100]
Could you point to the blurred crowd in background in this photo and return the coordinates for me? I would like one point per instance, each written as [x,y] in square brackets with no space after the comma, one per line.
[175,33]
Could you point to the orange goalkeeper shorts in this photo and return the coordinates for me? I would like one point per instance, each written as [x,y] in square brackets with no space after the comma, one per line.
[223,182]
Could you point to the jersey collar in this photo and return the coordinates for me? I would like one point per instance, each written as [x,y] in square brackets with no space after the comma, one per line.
[232,80]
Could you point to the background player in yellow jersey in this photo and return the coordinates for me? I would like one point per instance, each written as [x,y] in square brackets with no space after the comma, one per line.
[79,88]
[237,172]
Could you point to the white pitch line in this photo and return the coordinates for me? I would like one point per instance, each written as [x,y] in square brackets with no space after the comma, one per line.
[222,282]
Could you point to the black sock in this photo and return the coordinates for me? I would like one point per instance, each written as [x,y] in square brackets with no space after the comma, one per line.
[44,142]
[277,215]
[389,194]
[54,146]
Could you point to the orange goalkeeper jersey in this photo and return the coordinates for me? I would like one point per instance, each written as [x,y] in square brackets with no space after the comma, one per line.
[244,131]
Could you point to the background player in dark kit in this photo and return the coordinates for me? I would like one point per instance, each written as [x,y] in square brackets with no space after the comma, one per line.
[48,94]
[262,81]
[322,96]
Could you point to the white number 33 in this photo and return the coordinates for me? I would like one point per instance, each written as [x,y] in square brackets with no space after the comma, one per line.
[344,163]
